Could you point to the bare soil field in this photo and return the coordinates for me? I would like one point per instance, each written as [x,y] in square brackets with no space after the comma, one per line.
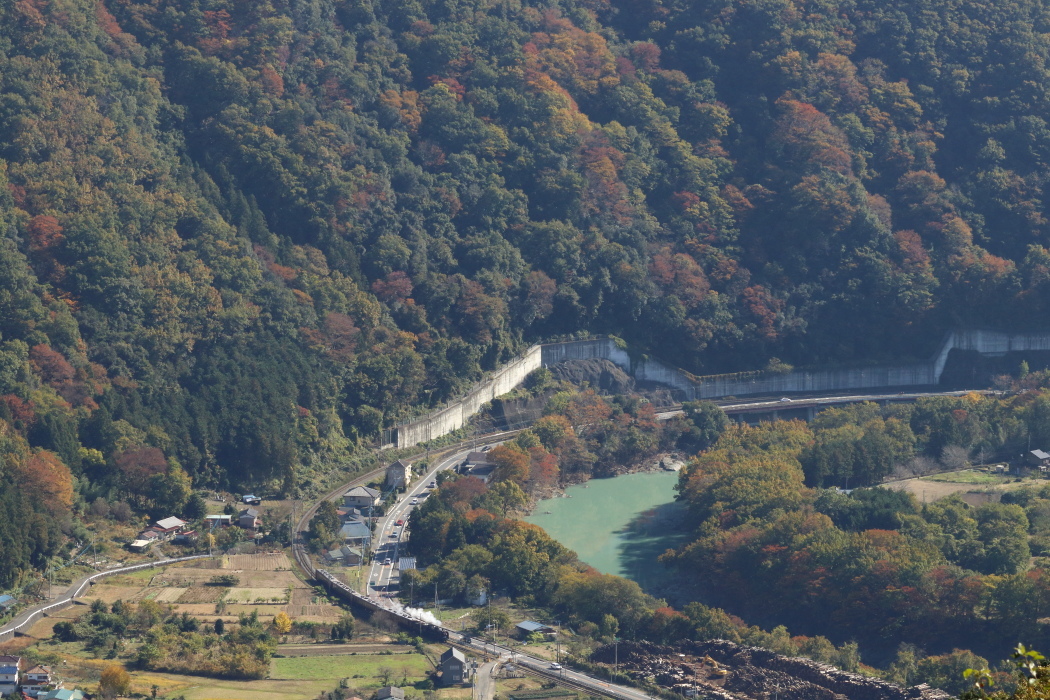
[201,594]
[179,577]
[250,596]
[314,613]
[275,561]
[110,594]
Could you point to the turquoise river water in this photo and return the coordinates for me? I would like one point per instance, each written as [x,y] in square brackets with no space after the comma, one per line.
[618,525]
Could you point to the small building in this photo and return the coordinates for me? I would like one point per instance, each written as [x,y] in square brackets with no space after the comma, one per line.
[62,694]
[361,497]
[218,520]
[476,459]
[453,667]
[38,679]
[185,537]
[348,514]
[140,545]
[345,555]
[10,673]
[169,526]
[390,691]
[398,474]
[7,601]
[406,563]
[355,532]
[249,519]
[523,629]
[1038,458]
[250,499]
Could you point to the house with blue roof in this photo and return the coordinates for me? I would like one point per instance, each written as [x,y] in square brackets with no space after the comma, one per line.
[7,601]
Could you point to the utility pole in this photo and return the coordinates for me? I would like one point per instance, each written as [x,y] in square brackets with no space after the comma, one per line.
[616,655]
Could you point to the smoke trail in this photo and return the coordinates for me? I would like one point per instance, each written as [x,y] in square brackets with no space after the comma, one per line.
[414,613]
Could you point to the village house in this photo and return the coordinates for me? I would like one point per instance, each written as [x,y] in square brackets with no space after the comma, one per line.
[38,679]
[1038,458]
[62,694]
[524,629]
[10,673]
[345,555]
[218,520]
[249,519]
[167,527]
[6,602]
[185,537]
[398,474]
[140,545]
[348,514]
[390,691]
[355,532]
[361,497]
[477,464]
[453,667]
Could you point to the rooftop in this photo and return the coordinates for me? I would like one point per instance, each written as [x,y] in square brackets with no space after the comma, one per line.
[362,491]
[530,626]
[168,523]
[452,653]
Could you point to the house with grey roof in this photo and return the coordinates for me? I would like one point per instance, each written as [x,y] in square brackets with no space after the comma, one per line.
[355,532]
[453,667]
[398,474]
[361,497]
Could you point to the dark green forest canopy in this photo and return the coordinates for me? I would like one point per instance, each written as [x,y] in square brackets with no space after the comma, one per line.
[240,238]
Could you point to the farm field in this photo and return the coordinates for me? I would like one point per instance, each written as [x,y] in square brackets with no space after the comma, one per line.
[363,671]
[976,486]
[261,583]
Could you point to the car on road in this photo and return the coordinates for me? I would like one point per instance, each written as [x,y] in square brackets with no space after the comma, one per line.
[432,485]
[555,667]
[401,522]
[785,400]
[415,502]
[386,562]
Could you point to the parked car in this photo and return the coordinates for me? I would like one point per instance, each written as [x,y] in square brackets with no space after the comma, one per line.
[401,522]
[555,667]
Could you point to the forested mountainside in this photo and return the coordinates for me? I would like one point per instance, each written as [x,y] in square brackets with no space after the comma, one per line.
[238,238]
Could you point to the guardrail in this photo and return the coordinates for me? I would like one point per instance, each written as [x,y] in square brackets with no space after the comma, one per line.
[8,631]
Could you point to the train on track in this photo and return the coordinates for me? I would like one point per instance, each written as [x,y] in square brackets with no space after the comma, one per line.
[427,630]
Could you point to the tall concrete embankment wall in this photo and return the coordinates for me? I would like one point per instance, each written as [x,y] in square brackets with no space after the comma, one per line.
[456,414]
[692,387]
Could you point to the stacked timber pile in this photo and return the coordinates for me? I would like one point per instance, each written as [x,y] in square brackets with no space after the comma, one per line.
[721,669]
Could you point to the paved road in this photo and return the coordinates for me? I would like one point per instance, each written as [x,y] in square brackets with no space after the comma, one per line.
[786,403]
[485,681]
[383,573]
[543,666]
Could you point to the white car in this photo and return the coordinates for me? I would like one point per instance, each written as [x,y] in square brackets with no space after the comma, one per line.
[555,667]
[785,400]
[415,502]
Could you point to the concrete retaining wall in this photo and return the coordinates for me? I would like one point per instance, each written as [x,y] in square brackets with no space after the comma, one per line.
[457,413]
[691,387]
[21,623]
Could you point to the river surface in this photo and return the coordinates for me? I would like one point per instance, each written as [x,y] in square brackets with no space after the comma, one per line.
[618,525]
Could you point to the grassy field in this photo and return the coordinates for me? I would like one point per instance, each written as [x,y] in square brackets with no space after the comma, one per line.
[365,671]
[969,476]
